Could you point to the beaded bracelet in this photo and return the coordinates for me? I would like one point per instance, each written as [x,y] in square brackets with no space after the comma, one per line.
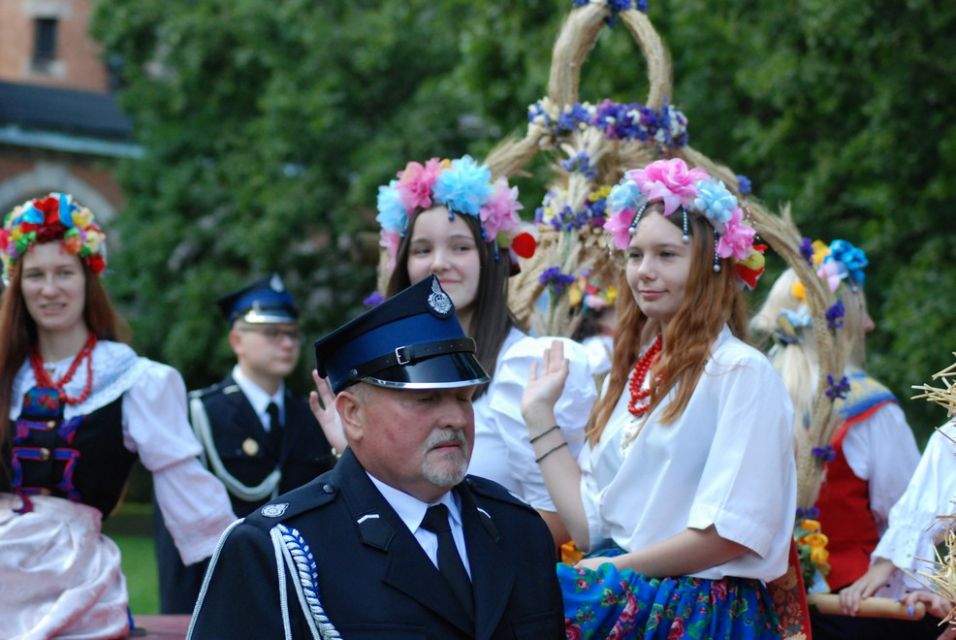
[549,452]
[544,433]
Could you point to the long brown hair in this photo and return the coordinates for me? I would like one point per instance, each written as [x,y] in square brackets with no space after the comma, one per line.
[711,300]
[491,318]
[18,331]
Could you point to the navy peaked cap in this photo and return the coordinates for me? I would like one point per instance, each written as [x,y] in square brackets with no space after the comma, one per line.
[412,340]
[264,301]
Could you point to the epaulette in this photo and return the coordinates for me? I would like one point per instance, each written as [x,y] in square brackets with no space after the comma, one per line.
[491,489]
[219,387]
[314,494]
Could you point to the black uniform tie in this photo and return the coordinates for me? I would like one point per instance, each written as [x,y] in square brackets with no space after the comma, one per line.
[275,427]
[449,562]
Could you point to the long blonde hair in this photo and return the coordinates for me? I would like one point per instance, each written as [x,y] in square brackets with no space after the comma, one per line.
[797,360]
[711,300]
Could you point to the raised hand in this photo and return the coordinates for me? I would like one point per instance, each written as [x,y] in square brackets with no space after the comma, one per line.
[322,403]
[545,384]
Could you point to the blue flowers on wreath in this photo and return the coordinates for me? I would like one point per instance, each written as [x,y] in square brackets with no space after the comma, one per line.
[565,218]
[807,250]
[824,454]
[835,315]
[616,6]
[555,280]
[617,121]
[837,389]
[580,163]
[811,513]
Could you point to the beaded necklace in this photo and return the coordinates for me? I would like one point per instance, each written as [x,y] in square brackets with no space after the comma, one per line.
[637,405]
[44,380]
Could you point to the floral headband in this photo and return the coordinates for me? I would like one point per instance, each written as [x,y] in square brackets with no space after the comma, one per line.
[680,188]
[53,217]
[838,262]
[464,187]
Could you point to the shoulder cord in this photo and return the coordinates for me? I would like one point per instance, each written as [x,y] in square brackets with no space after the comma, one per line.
[208,577]
[301,564]
[268,488]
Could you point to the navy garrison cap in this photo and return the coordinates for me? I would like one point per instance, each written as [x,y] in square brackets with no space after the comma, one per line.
[410,341]
[265,301]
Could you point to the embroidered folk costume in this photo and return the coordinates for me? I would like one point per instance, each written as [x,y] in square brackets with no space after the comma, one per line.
[76,426]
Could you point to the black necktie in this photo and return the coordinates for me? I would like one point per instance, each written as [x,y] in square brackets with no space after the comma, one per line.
[449,562]
[275,427]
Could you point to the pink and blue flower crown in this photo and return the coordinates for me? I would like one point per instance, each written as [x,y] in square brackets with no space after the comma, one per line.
[679,188]
[52,217]
[462,186]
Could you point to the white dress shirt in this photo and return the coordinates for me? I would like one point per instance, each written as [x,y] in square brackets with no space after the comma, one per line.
[259,399]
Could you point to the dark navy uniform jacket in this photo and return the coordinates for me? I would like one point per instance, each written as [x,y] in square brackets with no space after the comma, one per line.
[371,576]
[249,455]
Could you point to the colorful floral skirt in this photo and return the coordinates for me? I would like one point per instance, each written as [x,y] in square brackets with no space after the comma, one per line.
[612,603]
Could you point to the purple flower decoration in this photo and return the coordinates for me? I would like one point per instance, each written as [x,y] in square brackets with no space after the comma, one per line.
[824,454]
[580,163]
[556,281]
[806,250]
[808,514]
[835,315]
[837,389]
[744,184]
[373,299]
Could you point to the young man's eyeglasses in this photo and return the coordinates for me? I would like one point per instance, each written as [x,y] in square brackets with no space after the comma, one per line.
[272,333]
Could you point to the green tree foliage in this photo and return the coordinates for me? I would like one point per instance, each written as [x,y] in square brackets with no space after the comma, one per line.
[269,125]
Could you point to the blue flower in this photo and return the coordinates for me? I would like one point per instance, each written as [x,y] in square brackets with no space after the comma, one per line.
[625,195]
[837,389]
[744,184]
[835,315]
[373,299]
[556,281]
[715,201]
[581,163]
[391,212]
[806,250]
[464,187]
[853,258]
[824,454]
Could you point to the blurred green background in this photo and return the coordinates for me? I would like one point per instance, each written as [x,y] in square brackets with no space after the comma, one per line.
[267,127]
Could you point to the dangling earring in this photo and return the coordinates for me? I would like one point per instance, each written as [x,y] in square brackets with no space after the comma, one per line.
[686,234]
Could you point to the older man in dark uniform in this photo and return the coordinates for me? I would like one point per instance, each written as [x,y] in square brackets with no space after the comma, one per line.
[395,542]
[258,438]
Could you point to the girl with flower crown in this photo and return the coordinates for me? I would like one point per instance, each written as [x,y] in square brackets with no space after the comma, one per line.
[451,219]
[683,497]
[82,407]
[872,453]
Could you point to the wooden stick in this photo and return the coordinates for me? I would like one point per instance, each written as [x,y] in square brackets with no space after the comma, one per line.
[829,604]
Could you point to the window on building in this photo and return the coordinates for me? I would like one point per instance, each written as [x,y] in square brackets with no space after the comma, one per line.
[44,43]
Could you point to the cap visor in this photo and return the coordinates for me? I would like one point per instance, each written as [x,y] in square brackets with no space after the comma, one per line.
[446,371]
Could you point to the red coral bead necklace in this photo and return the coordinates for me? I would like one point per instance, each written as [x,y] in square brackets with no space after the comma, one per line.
[44,380]
[637,405]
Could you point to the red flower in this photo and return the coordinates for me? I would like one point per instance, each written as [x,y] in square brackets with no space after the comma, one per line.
[718,590]
[677,629]
[97,263]
[571,630]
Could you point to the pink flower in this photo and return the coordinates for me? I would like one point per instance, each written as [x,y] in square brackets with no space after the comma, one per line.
[415,184]
[389,241]
[830,272]
[669,181]
[619,226]
[737,239]
[677,629]
[500,213]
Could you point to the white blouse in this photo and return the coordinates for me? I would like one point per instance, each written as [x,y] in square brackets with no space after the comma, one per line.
[502,451]
[915,526]
[726,461]
[156,427]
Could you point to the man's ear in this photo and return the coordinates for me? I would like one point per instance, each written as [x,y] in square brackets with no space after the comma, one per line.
[351,413]
[235,341]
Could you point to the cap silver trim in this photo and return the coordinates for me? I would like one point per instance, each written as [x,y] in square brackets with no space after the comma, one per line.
[389,384]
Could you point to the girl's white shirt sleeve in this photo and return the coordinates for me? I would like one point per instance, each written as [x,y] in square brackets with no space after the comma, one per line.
[571,412]
[883,451]
[914,523]
[194,503]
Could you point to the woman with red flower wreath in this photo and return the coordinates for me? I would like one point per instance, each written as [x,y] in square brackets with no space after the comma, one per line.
[82,407]
[684,495]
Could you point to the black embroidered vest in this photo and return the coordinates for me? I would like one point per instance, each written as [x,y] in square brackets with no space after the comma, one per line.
[81,459]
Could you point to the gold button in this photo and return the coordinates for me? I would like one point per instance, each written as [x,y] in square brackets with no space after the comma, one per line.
[44,454]
[51,425]
[250,447]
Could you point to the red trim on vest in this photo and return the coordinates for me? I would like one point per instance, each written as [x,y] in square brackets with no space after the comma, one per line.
[845,515]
